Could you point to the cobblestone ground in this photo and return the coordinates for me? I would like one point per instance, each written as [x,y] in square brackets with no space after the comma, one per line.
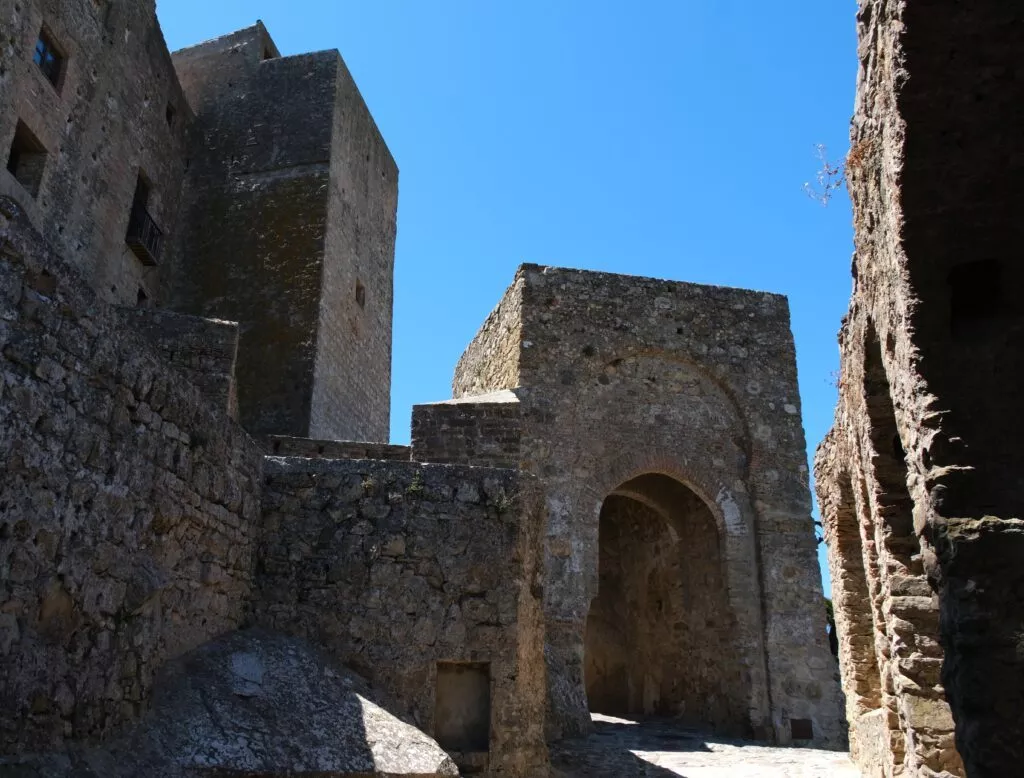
[625,749]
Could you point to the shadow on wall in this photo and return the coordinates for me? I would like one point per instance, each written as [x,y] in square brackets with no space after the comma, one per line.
[610,751]
[253,703]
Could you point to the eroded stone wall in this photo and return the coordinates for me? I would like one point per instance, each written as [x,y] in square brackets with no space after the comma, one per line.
[128,506]
[395,568]
[352,376]
[925,432]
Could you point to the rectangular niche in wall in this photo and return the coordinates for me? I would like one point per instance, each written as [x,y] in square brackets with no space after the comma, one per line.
[462,706]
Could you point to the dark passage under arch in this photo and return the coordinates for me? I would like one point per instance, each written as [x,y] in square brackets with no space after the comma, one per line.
[660,633]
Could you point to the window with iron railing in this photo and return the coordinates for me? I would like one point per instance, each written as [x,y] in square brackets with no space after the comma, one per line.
[144,237]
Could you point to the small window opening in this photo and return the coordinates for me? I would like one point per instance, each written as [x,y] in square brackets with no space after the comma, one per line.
[462,706]
[142,299]
[801,729]
[27,159]
[170,114]
[975,294]
[49,58]
[267,53]
[360,294]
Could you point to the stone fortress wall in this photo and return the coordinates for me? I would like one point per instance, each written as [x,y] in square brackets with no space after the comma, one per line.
[129,505]
[618,481]
[919,478]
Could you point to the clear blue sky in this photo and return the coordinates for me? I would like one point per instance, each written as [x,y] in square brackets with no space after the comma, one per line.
[667,138]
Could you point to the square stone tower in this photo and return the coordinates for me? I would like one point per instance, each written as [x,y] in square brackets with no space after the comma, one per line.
[288,227]
[663,421]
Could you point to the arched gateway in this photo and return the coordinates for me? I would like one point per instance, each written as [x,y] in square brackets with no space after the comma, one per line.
[661,634]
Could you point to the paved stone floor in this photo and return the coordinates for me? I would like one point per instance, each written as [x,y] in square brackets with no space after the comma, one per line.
[626,749]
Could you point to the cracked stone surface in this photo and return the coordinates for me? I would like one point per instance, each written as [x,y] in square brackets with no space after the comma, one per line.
[620,748]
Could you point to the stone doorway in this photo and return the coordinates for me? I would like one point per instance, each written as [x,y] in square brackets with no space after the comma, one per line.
[660,632]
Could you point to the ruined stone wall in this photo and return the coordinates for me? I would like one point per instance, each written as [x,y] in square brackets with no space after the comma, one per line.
[479,430]
[115,113]
[352,377]
[203,350]
[127,506]
[926,429]
[620,376]
[397,568]
[260,155]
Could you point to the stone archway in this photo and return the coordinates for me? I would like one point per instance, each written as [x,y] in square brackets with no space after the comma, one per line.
[660,634]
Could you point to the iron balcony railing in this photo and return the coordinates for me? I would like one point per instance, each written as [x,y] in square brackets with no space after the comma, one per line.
[144,237]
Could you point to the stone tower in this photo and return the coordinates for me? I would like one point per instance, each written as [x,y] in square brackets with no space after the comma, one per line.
[289,204]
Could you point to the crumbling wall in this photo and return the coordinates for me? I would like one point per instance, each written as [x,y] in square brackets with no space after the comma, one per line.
[402,570]
[926,429]
[127,506]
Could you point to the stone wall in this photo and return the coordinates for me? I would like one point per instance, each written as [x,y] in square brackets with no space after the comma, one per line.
[491,361]
[923,453]
[478,430]
[127,506]
[203,350]
[100,132]
[620,377]
[407,572]
[309,448]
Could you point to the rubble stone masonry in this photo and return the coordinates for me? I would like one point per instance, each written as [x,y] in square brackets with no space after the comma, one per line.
[127,506]
[402,570]
[919,481]
[637,387]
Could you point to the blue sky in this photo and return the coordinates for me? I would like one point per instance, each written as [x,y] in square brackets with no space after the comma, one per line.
[668,138]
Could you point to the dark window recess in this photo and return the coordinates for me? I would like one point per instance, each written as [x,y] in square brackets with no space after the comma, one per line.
[170,113]
[49,58]
[975,294]
[143,236]
[142,299]
[801,729]
[27,159]
[360,294]
[462,706]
